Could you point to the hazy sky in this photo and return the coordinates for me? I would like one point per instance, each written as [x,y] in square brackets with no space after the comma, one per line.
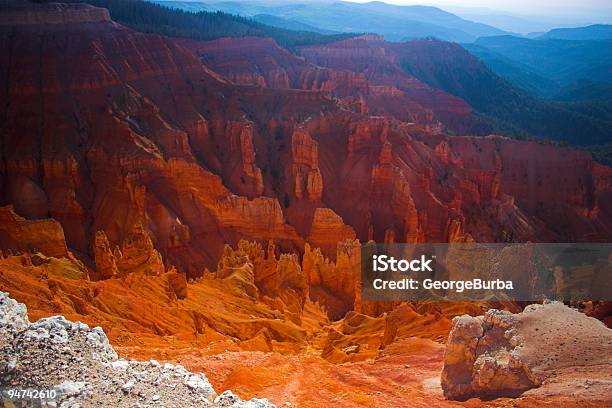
[516,16]
[512,4]
[524,7]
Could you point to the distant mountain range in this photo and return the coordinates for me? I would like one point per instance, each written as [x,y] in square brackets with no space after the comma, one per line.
[287,24]
[546,66]
[564,62]
[514,71]
[507,107]
[396,23]
[533,21]
[555,85]
[592,32]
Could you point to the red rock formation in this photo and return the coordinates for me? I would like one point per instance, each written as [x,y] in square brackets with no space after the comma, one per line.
[526,173]
[234,141]
[334,284]
[262,62]
[224,307]
[601,310]
[305,167]
[327,230]
[45,236]
[217,329]
[393,91]
[175,160]
[177,282]
[135,153]
[276,66]
[136,254]
[276,281]
[365,132]
[106,263]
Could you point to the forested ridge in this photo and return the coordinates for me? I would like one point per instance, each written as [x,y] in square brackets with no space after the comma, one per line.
[506,107]
[154,18]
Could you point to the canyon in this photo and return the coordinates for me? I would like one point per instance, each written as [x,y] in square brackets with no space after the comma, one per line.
[204,202]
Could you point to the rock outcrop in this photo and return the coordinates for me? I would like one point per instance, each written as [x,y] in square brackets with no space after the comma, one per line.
[106,262]
[327,230]
[334,284]
[136,254]
[277,281]
[19,234]
[30,14]
[81,366]
[505,354]
[305,167]
[177,281]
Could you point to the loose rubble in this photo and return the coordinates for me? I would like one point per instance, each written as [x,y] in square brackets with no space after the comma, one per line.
[83,368]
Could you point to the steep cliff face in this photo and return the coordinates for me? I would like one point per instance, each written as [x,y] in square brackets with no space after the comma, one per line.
[540,189]
[392,90]
[307,181]
[21,235]
[15,13]
[122,136]
[262,62]
[177,156]
[119,131]
[362,73]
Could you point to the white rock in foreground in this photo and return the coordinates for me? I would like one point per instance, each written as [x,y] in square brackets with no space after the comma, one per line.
[13,315]
[81,365]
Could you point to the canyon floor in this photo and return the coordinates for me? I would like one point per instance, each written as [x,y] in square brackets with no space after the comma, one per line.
[291,370]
